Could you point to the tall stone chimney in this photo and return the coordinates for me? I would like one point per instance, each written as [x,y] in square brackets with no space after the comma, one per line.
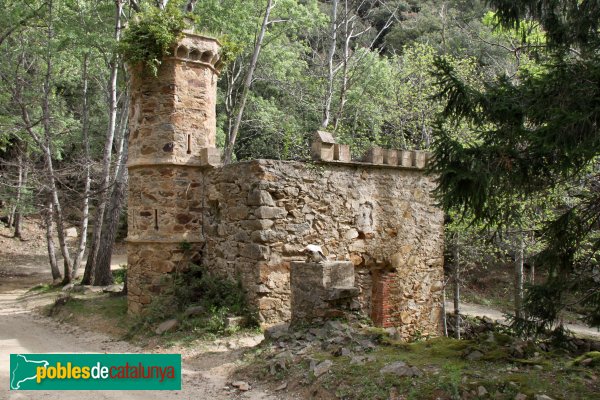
[172,126]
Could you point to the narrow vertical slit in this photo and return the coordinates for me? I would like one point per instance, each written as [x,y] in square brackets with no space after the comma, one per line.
[156,219]
[189,144]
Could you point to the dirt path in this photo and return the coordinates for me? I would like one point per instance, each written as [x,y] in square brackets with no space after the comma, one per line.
[205,371]
[476,310]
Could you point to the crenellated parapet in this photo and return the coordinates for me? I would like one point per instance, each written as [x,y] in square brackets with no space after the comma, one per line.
[199,49]
[173,115]
[325,149]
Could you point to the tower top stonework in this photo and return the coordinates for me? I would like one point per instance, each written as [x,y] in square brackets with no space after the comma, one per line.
[172,115]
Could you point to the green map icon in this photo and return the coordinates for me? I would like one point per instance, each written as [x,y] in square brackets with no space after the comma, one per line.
[23,369]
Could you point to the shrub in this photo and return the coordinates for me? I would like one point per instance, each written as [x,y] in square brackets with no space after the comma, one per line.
[219,298]
[152,33]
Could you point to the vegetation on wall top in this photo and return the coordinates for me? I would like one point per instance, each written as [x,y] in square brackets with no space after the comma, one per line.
[151,35]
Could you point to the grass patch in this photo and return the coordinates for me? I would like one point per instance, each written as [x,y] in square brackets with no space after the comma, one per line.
[98,312]
[44,288]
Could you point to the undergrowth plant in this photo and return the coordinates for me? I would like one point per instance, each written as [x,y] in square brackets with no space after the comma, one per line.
[151,34]
[215,299]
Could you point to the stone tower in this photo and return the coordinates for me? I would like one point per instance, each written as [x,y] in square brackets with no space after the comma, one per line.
[172,121]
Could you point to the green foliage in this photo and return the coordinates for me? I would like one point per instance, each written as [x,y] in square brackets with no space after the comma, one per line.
[530,134]
[152,34]
[216,298]
[120,275]
[594,356]
[197,287]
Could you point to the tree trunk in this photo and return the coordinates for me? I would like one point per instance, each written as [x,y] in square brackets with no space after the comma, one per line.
[246,87]
[345,60]
[85,207]
[456,280]
[331,71]
[444,318]
[47,125]
[519,276]
[103,274]
[47,214]
[90,265]
[16,221]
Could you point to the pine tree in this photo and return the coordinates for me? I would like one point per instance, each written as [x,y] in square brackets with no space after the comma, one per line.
[532,133]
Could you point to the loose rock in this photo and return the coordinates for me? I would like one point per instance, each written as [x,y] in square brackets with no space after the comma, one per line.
[167,326]
[474,355]
[322,368]
[481,391]
[193,311]
[241,385]
[400,368]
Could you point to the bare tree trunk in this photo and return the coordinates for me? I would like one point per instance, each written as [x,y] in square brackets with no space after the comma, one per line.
[46,122]
[519,276]
[456,280]
[85,207]
[22,179]
[47,214]
[331,71]
[345,60]
[246,87]
[45,145]
[103,274]
[349,35]
[90,266]
[444,318]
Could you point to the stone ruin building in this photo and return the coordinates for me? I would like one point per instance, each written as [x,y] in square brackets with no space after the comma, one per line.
[252,219]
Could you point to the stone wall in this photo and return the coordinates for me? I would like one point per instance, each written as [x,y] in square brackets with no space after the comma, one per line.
[260,215]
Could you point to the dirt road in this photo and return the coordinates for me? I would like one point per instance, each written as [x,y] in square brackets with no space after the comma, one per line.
[205,371]
[476,310]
